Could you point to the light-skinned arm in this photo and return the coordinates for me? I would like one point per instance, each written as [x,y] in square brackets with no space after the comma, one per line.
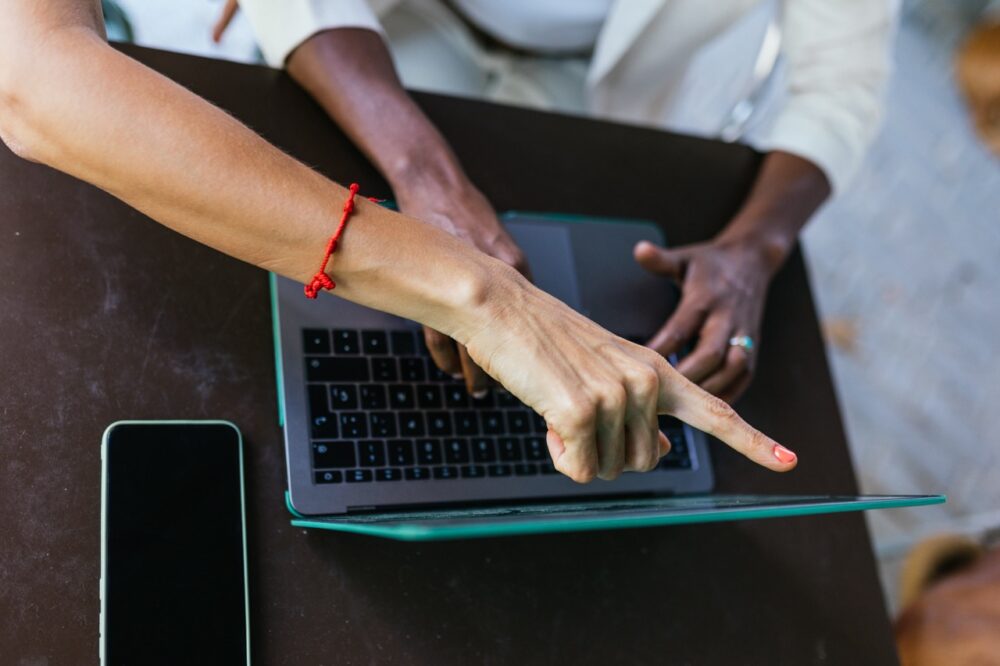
[70,101]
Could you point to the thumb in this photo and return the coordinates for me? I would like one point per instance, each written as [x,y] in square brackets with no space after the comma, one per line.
[661,260]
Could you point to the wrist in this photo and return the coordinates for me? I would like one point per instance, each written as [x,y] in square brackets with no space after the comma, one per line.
[488,288]
[769,243]
[433,174]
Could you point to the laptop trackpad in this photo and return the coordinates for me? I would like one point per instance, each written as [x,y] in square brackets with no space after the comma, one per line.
[550,257]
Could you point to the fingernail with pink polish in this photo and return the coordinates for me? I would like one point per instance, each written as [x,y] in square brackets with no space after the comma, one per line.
[783,455]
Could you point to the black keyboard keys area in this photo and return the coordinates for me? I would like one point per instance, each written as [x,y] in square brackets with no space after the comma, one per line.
[346,342]
[316,341]
[403,343]
[333,454]
[380,411]
[374,342]
[336,369]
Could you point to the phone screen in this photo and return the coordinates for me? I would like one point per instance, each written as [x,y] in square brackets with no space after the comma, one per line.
[174,575]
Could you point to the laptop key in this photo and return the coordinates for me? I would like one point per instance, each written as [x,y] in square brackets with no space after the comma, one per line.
[416,473]
[484,449]
[525,469]
[371,453]
[429,451]
[412,369]
[316,341]
[547,468]
[445,472]
[324,426]
[384,369]
[466,423]
[429,396]
[329,477]
[510,448]
[506,399]
[388,474]
[667,462]
[382,424]
[535,448]
[518,422]
[336,369]
[538,424]
[456,450]
[344,396]
[373,396]
[318,403]
[473,472]
[456,396]
[353,424]
[400,452]
[346,342]
[374,342]
[401,396]
[411,424]
[333,454]
[492,423]
[499,470]
[403,343]
[435,374]
[359,476]
[439,424]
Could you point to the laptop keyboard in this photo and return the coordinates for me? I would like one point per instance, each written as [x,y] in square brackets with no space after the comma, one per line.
[380,411]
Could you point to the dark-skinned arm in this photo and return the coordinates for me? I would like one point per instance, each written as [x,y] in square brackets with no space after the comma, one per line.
[349,71]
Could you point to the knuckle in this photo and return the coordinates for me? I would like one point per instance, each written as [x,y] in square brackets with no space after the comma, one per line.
[758,441]
[722,414]
[613,397]
[714,355]
[577,411]
[643,379]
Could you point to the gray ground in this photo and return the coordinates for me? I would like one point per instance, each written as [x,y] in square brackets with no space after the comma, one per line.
[905,267]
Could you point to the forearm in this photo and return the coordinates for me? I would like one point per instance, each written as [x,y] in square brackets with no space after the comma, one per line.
[94,113]
[787,192]
[350,73]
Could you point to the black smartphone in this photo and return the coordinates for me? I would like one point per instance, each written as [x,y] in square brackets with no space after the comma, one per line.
[173,545]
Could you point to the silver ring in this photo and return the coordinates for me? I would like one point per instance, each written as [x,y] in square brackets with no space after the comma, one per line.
[744,342]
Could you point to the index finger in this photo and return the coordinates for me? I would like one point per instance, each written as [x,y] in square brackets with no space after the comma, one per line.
[693,405]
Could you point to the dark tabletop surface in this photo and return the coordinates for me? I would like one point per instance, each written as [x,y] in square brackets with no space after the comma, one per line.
[92,332]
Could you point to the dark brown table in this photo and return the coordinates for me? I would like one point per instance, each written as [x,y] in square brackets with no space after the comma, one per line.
[88,337]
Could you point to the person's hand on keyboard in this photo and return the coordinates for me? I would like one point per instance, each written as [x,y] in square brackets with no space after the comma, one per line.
[467,215]
[599,394]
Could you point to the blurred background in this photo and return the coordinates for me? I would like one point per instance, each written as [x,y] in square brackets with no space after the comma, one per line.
[905,268]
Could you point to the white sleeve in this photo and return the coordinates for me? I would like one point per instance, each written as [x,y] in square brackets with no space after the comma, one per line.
[281,25]
[838,55]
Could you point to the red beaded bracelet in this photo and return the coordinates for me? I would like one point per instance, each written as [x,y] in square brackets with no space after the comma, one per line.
[321,280]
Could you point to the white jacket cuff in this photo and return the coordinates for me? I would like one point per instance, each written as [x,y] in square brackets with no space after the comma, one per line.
[818,140]
[280,26]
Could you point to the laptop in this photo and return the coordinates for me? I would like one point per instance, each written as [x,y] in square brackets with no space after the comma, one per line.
[379,441]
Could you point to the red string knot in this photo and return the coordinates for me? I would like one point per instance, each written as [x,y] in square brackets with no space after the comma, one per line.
[321,280]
